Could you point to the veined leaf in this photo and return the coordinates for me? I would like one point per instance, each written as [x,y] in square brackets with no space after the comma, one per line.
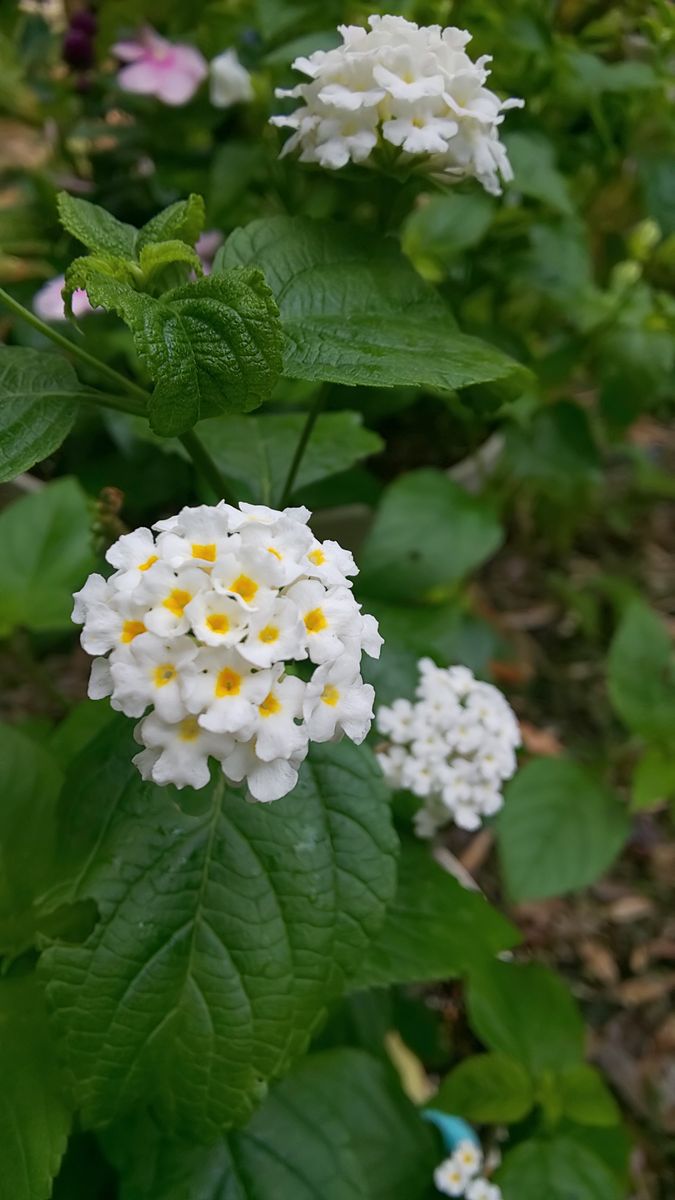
[182,221]
[487,1089]
[96,228]
[558,1168]
[38,406]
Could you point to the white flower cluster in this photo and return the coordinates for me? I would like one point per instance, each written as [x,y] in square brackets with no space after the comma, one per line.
[413,88]
[453,747]
[459,1175]
[199,624]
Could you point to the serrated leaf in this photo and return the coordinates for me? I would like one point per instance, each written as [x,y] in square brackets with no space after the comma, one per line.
[96,228]
[182,221]
[527,1012]
[157,256]
[223,932]
[258,451]
[354,311]
[557,1168]
[434,927]
[585,1097]
[34,1117]
[487,1089]
[428,534]
[38,406]
[641,674]
[558,830]
[45,554]
[92,266]
[337,1128]
[211,347]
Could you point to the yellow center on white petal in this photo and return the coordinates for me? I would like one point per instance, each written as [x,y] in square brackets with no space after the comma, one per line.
[330,695]
[269,634]
[218,623]
[228,683]
[245,587]
[269,706]
[130,630]
[317,557]
[189,729]
[203,550]
[176,601]
[163,674]
[315,620]
[148,563]
[271,550]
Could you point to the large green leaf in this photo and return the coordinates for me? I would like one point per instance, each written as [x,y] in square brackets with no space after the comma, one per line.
[558,1168]
[558,830]
[30,782]
[257,451]
[182,221]
[38,406]
[354,311]
[45,554]
[337,1128]
[434,928]
[96,228]
[211,347]
[641,674]
[528,1013]
[34,1117]
[223,931]
[487,1089]
[585,1097]
[428,534]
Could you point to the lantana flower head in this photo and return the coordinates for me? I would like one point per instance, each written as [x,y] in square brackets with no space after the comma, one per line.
[411,90]
[453,747]
[459,1175]
[230,83]
[234,634]
[170,71]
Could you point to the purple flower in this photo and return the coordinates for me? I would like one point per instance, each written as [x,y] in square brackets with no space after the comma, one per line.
[210,241]
[48,302]
[170,71]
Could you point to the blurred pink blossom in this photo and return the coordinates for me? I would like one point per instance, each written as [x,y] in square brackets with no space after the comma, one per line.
[170,71]
[210,241]
[48,302]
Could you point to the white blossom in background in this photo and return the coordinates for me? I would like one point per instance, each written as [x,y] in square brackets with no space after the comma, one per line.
[229,81]
[453,747]
[196,632]
[413,91]
[48,302]
[459,1175]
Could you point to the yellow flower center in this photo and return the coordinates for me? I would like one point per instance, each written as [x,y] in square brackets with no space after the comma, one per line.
[217,623]
[228,683]
[163,674]
[245,587]
[148,563]
[189,729]
[330,695]
[269,634]
[315,620]
[176,601]
[317,557]
[271,550]
[130,630]
[206,551]
[269,706]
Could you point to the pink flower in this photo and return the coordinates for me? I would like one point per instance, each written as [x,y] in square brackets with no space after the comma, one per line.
[170,71]
[48,302]
[210,241]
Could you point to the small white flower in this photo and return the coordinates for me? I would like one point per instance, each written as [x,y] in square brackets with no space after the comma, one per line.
[249,575]
[450,1179]
[166,594]
[230,82]
[178,753]
[276,733]
[480,1189]
[469,1156]
[329,563]
[152,673]
[225,692]
[134,554]
[266,780]
[217,620]
[96,590]
[112,624]
[337,701]
[396,721]
[275,633]
[326,613]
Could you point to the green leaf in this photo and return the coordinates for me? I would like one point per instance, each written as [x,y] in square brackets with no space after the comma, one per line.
[428,534]
[337,1128]
[559,1169]
[38,406]
[30,782]
[488,1089]
[527,1012]
[354,311]
[211,347]
[77,729]
[535,174]
[558,830]
[45,555]
[442,228]
[653,779]
[182,221]
[34,1117]
[257,451]
[641,676]
[223,933]
[434,928]
[157,256]
[97,229]
[586,1098]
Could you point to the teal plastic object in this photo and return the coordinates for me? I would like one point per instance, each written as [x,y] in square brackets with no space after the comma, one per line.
[453,1130]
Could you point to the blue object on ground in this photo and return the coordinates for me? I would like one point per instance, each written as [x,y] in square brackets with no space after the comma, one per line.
[453,1130]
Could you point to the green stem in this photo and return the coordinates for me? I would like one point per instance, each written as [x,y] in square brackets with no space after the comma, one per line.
[125,404]
[312,415]
[84,356]
[206,465]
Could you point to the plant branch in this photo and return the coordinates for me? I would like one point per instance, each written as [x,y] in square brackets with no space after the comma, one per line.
[206,465]
[312,415]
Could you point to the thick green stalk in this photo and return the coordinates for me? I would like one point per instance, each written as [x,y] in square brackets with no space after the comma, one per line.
[312,415]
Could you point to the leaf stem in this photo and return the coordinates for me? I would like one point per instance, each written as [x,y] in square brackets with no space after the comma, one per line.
[317,405]
[125,404]
[206,465]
